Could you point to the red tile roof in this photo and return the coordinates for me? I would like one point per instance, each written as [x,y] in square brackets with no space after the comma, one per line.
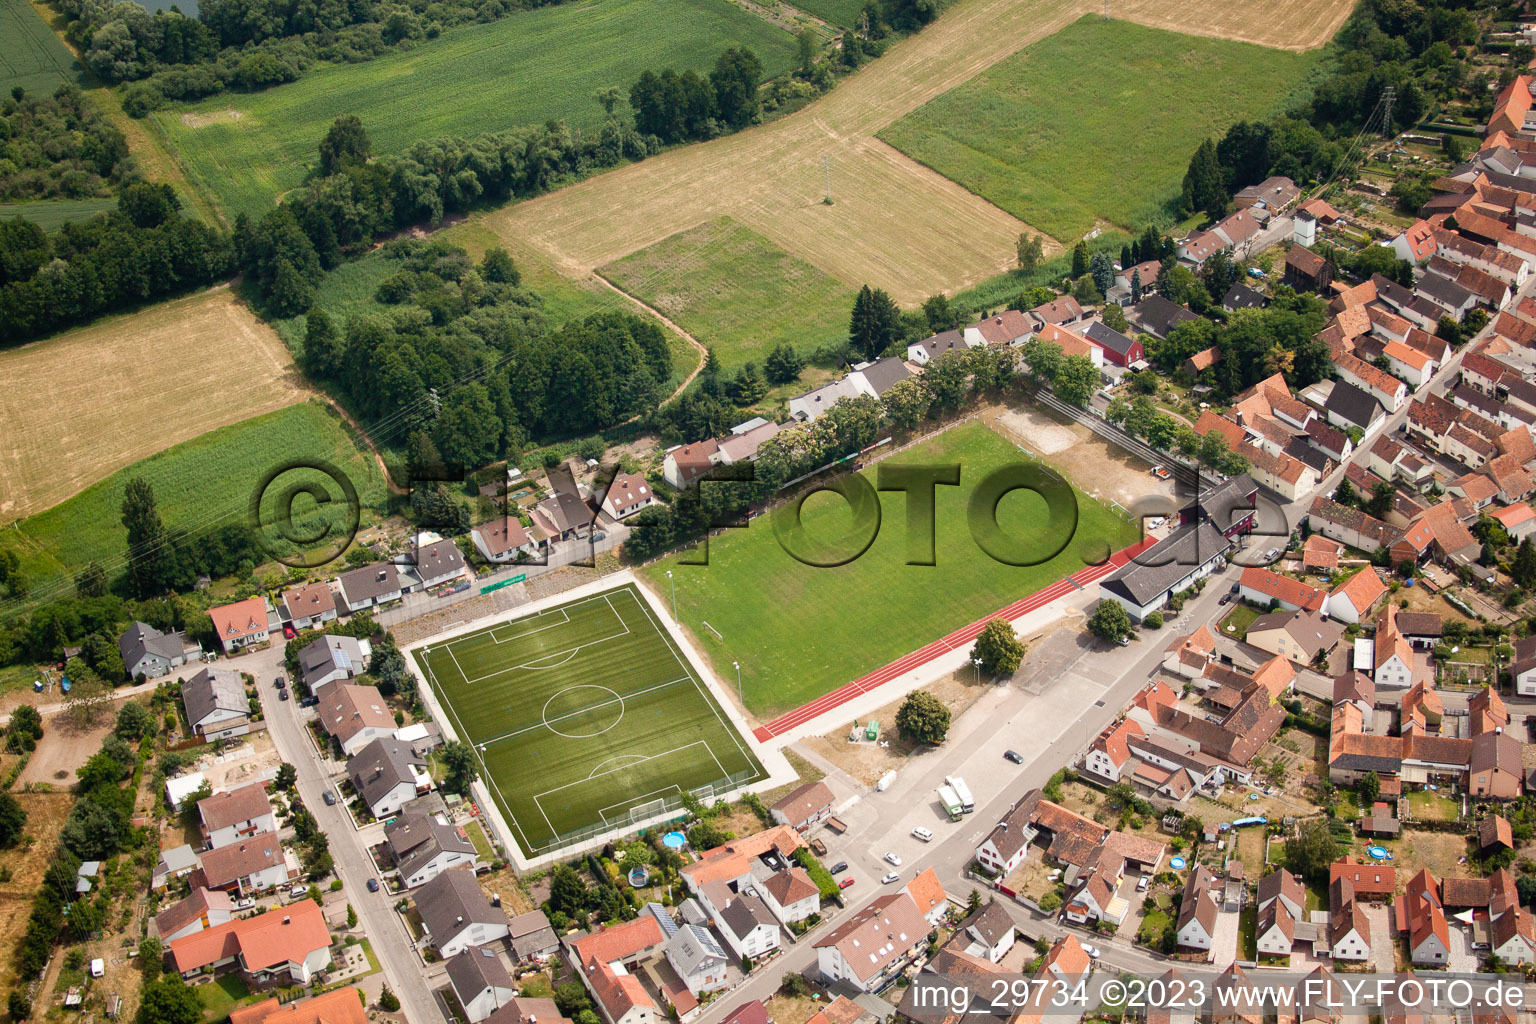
[1282,588]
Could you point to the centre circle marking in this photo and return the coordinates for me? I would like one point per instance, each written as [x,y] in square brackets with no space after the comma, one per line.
[544,712]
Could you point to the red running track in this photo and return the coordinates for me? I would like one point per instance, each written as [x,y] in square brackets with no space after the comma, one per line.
[959,638]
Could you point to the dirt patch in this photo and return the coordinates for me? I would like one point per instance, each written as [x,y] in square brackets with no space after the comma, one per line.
[45,817]
[217,117]
[62,749]
[1444,853]
[1092,464]
[866,761]
[239,765]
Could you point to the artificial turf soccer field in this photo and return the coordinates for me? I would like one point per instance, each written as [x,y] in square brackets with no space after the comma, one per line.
[580,713]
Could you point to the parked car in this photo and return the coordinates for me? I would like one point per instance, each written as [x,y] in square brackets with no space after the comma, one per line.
[288,631]
[280,682]
[329,798]
[839,867]
[282,694]
[926,835]
[1014,756]
[309,702]
[373,885]
[1092,951]
[845,883]
[894,876]
[1123,641]
[298,892]
[1224,598]
[892,859]
[1143,882]
[246,904]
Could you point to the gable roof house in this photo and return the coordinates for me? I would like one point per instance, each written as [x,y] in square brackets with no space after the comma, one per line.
[1009,327]
[987,932]
[503,539]
[1064,309]
[686,463]
[148,653]
[931,349]
[1240,296]
[286,944]
[1306,271]
[1109,753]
[480,981]
[369,586]
[1421,917]
[1276,931]
[790,895]
[1262,587]
[1174,563]
[697,958]
[202,908]
[1157,315]
[1118,349]
[250,865]
[1197,911]
[927,894]
[309,605]
[1300,637]
[241,624]
[339,1006]
[1350,406]
[1524,667]
[870,949]
[531,937]
[236,814]
[455,913]
[1349,931]
[1379,384]
[216,704]
[354,716]
[804,806]
[807,407]
[748,926]
[332,657]
[425,844]
[1353,599]
[1275,194]
[386,773]
[627,494]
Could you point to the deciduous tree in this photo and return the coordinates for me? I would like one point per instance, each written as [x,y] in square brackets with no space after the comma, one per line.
[999,648]
[922,718]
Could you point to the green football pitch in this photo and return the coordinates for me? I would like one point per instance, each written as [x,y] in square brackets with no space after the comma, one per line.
[585,717]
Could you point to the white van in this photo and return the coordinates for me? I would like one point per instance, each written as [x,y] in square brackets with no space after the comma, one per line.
[922,833]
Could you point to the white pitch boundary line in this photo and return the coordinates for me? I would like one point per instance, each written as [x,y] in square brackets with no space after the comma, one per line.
[618,698]
[648,757]
[703,694]
[565,618]
[644,797]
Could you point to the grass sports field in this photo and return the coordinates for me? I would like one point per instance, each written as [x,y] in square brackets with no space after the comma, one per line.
[30,55]
[849,620]
[1096,123]
[735,290]
[199,484]
[581,713]
[528,67]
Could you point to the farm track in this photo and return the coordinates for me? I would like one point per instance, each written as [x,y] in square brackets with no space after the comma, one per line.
[893,222]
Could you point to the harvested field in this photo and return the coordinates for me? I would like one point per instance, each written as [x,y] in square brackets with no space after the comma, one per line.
[892,222]
[45,816]
[86,403]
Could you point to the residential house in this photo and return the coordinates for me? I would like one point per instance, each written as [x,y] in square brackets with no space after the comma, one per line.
[1156,315]
[435,560]
[1280,886]
[627,494]
[1351,601]
[339,1006]
[928,896]
[1276,929]
[203,908]
[1350,407]
[1349,930]
[697,958]
[1421,917]
[930,349]
[1061,310]
[686,463]
[333,658]
[790,895]
[807,407]
[745,441]
[1416,243]
[1118,349]
[1321,555]
[1356,688]
[869,949]
[236,814]
[1379,384]
[309,606]
[1301,637]
[249,865]
[1010,327]
[503,539]
[148,653]
[1109,753]
[1264,588]
[425,844]
[1524,666]
[1306,271]
[285,945]
[804,806]
[369,586]
[608,962]
[241,624]
[385,774]
[480,981]
[1240,296]
[1198,909]
[456,915]
[532,938]
[528,1010]
[352,715]
[216,704]
[748,926]
[987,932]
[1274,194]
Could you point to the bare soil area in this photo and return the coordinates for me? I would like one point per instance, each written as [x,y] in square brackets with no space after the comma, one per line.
[1092,465]
[62,749]
[45,816]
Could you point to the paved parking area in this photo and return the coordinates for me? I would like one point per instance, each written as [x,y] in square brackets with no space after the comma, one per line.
[1224,942]
[1380,917]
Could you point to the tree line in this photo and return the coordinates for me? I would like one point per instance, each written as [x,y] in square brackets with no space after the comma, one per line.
[59,147]
[249,44]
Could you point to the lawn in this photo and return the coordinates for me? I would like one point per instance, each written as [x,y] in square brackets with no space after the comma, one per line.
[1432,806]
[50,215]
[736,291]
[246,149]
[1238,620]
[200,485]
[1096,123]
[221,995]
[581,713]
[800,632]
[31,56]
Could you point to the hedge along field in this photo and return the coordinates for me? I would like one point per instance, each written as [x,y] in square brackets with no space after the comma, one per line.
[800,632]
[31,56]
[735,290]
[1097,122]
[205,483]
[245,150]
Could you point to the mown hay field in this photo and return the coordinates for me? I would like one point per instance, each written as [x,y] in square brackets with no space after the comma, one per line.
[200,485]
[736,291]
[1097,123]
[245,150]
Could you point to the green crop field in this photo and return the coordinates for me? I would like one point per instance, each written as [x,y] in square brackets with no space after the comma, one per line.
[583,712]
[1097,122]
[800,632]
[842,13]
[31,56]
[200,485]
[245,150]
[52,214]
[735,290]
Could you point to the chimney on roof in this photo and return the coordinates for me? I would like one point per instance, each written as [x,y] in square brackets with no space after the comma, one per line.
[286,919]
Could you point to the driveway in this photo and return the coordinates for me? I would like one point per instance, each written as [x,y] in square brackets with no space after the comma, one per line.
[1224,942]
[1380,917]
